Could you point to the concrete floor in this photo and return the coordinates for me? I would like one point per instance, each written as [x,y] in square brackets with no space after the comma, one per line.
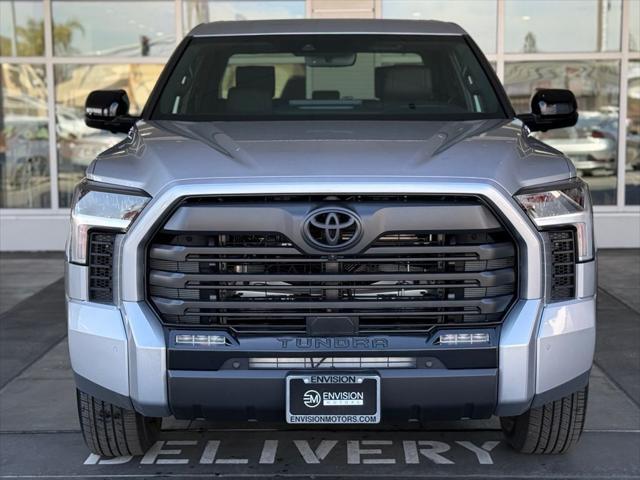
[39,436]
[18,280]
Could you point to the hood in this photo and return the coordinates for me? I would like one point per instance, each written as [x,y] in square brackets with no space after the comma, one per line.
[158,154]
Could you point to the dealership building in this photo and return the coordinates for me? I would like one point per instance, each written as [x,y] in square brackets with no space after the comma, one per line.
[54,52]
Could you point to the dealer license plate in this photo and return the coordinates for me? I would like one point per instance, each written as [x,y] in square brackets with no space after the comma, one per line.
[343,398]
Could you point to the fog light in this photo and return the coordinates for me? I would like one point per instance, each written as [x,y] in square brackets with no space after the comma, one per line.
[201,340]
[463,338]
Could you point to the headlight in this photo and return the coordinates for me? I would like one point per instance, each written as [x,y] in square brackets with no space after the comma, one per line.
[567,203]
[104,207]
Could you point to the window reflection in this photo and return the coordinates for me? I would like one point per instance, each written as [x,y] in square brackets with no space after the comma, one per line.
[24,137]
[632,175]
[199,11]
[478,17]
[566,26]
[113,28]
[78,144]
[592,143]
[21,28]
[634,26]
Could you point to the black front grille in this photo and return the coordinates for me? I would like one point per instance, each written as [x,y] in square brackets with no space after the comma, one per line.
[253,282]
[562,246]
[101,267]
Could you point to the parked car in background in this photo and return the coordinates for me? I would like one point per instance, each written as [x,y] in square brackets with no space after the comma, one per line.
[24,154]
[633,150]
[591,144]
[78,144]
[609,129]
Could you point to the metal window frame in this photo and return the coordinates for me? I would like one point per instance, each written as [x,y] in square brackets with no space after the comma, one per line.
[499,57]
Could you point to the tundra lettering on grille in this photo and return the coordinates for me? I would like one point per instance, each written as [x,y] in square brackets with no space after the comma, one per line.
[331,343]
[245,264]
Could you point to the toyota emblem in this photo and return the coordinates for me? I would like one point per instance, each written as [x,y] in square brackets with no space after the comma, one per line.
[332,228]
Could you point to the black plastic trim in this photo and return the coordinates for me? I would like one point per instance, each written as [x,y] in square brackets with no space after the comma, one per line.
[104,394]
[93,186]
[101,294]
[406,394]
[561,391]
[572,182]
[550,264]
[452,357]
[211,360]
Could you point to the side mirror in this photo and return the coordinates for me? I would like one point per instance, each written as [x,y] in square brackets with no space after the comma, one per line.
[551,108]
[108,110]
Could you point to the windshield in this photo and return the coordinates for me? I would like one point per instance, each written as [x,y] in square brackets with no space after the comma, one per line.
[328,76]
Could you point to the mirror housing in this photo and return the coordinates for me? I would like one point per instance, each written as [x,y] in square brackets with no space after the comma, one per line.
[551,108]
[331,60]
[108,110]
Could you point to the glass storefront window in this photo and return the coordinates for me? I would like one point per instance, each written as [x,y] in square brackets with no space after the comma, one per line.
[634,25]
[78,144]
[568,26]
[195,12]
[478,17]
[136,28]
[113,28]
[24,137]
[21,28]
[592,145]
[632,174]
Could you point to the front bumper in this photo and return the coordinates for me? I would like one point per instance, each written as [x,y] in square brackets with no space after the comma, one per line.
[543,353]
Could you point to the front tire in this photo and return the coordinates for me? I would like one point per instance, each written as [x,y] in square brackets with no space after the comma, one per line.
[550,429]
[112,431]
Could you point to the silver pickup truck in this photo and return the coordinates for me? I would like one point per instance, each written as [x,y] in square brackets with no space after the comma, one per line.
[331,222]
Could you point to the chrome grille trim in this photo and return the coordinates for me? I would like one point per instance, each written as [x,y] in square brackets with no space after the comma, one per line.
[285,363]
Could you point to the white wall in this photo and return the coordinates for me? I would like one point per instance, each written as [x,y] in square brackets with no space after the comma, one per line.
[33,232]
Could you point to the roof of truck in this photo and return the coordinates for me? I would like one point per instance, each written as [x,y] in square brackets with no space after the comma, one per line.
[318,26]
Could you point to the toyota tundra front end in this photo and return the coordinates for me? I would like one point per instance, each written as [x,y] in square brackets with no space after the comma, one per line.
[331,222]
